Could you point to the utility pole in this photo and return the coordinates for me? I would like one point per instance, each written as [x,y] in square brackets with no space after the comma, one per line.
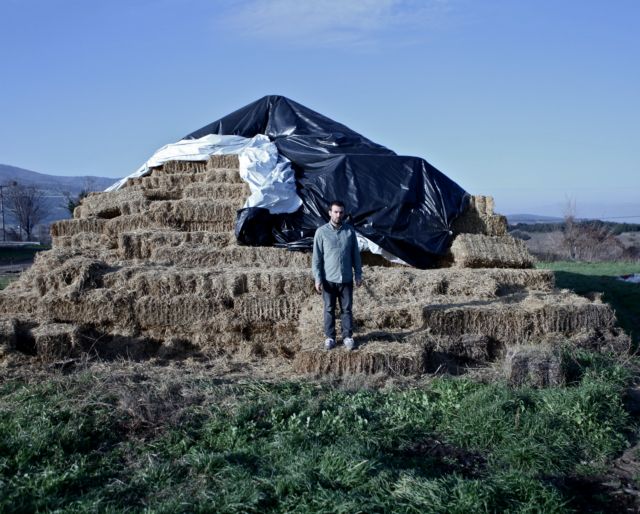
[10,184]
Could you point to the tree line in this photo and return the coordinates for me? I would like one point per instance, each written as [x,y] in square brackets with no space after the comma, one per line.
[598,225]
[29,206]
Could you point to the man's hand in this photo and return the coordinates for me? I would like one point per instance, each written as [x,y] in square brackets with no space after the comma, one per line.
[358,283]
[319,287]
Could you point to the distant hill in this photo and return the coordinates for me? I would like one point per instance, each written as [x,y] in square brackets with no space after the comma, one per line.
[54,188]
[514,219]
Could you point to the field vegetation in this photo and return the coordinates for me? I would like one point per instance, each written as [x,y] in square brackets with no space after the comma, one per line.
[21,254]
[175,436]
[6,280]
[130,437]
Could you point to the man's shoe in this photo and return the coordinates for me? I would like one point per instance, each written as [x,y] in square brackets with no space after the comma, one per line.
[349,343]
[329,343]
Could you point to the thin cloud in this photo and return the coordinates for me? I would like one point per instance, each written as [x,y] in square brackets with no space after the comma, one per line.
[334,22]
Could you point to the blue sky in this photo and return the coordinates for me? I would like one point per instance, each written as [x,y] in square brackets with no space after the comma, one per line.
[533,102]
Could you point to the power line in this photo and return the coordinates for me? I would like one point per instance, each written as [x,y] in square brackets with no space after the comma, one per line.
[615,217]
[561,220]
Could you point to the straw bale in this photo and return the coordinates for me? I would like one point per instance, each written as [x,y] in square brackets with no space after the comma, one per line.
[160,180]
[76,274]
[400,316]
[223,162]
[612,340]
[479,218]
[374,357]
[193,209]
[252,307]
[512,280]
[480,251]
[418,285]
[158,194]
[214,162]
[173,183]
[50,259]
[99,307]
[519,318]
[404,282]
[211,283]
[537,366]
[162,220]
[84,241]
[225,176]
[56,340]
[71,227]
[141,244]
[471,347]
[218,191]
[18,301]
[183,167]
[194,255]
[112,203]
[161,282]
[178,311]
[8,335]
[286,281]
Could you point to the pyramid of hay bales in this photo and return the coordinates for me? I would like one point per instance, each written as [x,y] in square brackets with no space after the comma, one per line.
[153,269]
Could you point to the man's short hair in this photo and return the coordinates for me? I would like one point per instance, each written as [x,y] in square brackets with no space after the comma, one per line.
[337,203]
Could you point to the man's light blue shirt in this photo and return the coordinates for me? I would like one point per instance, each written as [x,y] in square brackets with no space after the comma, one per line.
[336,256]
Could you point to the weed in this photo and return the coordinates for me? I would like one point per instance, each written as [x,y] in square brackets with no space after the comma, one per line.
[76,442]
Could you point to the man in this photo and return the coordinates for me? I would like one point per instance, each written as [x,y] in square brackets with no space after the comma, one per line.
[336,259]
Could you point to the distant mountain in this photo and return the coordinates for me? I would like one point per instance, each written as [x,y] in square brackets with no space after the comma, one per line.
[54,188]
[514,219]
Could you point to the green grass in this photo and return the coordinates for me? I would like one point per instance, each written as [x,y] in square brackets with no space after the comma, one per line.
[88,442]
[602,277]
[5,281]
[21,254]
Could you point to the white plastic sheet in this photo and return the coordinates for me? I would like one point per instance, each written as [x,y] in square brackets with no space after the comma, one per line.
[365,244]
[632,279]
[270,176]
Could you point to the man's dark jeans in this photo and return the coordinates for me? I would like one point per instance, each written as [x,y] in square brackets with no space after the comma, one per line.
[343,293]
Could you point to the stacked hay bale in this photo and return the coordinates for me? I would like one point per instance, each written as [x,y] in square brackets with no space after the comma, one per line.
[153,269]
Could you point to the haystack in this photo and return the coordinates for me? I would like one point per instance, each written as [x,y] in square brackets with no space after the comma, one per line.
[153,269]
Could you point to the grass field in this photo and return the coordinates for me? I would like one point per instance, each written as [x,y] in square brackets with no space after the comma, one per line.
[21,254]
[5,281]
[135,438]
[132,437]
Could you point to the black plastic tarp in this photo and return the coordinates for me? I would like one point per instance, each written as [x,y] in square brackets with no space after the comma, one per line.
[403,204]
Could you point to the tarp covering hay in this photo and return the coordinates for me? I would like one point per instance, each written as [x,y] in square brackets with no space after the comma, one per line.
[153,270]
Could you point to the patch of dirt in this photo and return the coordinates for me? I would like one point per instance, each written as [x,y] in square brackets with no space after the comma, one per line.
[616,491]
[447,457]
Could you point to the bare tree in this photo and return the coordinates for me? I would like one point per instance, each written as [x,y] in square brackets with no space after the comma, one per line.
[29,206]
[588,240]
[571,231]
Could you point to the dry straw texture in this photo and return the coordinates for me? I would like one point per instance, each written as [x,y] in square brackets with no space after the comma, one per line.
[154,270]
[479,218]
[520,317]
[388,358]
[480,251]
[537,366]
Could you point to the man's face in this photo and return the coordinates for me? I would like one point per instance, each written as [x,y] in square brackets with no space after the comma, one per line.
[336,214]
